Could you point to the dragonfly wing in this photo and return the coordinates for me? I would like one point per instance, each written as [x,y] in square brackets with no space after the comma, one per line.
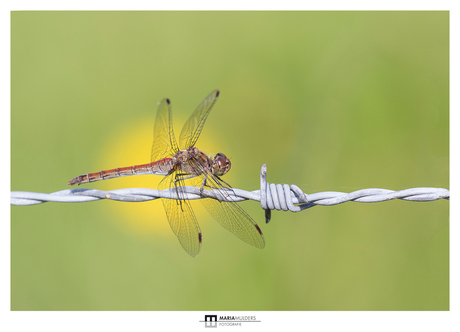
[229,214]
[192,128]
[234,219]
[181,217]
[164,141]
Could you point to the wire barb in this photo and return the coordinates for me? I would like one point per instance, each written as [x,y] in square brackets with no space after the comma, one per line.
[271,196]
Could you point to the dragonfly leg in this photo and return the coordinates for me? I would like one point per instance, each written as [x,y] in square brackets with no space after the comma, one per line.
[229,187]
[180,177]
[218,178]
[204,183]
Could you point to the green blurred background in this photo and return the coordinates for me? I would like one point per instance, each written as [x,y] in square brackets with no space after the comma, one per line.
[331,101]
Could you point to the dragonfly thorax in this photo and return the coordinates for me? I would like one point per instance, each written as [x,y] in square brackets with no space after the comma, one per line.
[220,164]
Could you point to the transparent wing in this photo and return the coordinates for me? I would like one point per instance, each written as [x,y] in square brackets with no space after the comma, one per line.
[192,128]
[229,214]
[164,141]
[181,217]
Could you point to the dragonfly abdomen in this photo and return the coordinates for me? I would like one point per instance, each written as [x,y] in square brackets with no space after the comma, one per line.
[160,167]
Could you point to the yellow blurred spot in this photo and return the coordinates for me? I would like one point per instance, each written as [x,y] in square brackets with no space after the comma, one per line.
[131,144]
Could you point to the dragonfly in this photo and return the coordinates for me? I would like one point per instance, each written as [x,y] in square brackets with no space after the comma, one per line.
[184,163]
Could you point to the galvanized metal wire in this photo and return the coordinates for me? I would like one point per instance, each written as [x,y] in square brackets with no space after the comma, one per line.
[271,196]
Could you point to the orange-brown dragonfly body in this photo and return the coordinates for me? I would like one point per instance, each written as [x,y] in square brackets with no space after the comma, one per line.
[184,165]
[162,166]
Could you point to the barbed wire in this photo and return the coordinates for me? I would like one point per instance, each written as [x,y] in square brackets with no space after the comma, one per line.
[271,196]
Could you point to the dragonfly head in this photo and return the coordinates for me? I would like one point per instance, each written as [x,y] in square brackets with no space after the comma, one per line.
[221,164]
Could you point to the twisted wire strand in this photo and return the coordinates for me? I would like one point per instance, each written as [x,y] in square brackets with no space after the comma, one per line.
[271,196]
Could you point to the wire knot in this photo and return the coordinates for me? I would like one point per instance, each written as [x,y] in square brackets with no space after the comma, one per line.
[280,197]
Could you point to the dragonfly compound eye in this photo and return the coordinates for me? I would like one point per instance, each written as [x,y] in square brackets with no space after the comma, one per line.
[221,164]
